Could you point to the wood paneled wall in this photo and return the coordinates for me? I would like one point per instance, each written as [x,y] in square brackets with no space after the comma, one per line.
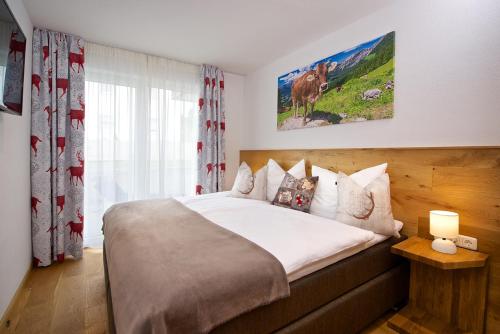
[463,179]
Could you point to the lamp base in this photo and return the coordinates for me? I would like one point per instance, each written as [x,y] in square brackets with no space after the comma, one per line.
[444,246]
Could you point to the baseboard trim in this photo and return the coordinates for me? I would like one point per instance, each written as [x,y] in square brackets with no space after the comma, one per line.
[7,314]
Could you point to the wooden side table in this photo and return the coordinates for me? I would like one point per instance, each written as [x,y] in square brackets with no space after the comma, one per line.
[447,292]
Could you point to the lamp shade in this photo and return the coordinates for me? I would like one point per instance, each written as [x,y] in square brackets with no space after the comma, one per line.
[444,224]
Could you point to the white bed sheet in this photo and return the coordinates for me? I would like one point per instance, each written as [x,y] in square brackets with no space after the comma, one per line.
[309,268]
[324,262]
[303,243]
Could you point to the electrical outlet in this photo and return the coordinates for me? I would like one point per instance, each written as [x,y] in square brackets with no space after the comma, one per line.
[467,242]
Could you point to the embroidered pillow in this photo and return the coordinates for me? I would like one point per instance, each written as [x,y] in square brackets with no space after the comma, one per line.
[366,207]
[250,186]
[296,193]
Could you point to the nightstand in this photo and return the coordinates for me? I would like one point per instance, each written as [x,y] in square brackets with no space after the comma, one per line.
[447,292]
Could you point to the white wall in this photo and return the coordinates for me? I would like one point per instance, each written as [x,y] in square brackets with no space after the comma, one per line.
[234,89]
[447,80]
[15,210]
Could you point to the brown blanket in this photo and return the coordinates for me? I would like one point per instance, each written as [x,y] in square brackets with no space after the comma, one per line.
[173,271]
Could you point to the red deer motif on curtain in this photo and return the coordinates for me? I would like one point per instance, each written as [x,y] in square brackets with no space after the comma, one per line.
[57,152]
[77,58]
[78,114]
[212,124]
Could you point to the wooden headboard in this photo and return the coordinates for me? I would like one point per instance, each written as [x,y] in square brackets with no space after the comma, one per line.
[463,179]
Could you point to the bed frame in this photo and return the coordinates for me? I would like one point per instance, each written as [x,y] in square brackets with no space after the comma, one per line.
[345,297]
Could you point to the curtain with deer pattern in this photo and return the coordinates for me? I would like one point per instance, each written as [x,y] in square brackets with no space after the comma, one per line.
[57,152]
[211,128]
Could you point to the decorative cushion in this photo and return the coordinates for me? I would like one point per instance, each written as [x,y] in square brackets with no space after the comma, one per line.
[366,207]
[250,186]
[296,193]
[325,199]
[275,175]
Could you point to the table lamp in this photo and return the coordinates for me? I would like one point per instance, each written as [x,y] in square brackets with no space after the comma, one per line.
[444,226]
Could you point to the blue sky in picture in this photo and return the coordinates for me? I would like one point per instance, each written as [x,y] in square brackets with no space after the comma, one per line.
[287,79]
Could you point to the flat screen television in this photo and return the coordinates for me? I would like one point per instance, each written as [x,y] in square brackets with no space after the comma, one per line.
[12,51]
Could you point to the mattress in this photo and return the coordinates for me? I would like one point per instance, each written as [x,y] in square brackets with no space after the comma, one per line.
[302,242]
[309,268]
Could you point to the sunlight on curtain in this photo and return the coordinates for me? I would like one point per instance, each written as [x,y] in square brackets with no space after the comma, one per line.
[141,130]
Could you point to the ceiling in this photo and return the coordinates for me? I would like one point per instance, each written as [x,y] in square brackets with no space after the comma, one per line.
[237,35]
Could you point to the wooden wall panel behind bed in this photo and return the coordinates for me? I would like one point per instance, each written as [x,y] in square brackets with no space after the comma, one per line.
[462,179]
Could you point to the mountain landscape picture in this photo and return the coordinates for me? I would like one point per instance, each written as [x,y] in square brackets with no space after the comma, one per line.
[351,86]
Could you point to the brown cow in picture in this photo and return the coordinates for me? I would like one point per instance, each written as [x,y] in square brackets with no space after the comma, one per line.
[309,87]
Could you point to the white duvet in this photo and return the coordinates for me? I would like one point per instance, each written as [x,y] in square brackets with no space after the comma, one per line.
[295,238]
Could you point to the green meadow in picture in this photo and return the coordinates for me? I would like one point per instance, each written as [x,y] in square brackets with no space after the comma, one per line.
[351,86]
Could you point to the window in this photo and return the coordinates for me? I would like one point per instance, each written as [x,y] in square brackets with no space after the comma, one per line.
[140,131]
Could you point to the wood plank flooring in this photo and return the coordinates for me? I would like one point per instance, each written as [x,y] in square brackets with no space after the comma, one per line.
[70,298]
[63,298]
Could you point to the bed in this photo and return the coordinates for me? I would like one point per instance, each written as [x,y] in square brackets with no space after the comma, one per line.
[340,278]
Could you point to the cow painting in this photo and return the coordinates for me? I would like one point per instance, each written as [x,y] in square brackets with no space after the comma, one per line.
[354,85]
[308,88]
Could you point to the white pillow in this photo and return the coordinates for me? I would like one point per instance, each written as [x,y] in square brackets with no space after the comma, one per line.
[324,202]
[275,175]
[325,198]
[366,207]
[250,186]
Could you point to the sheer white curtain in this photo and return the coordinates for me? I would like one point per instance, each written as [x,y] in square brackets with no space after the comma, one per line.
[140,131]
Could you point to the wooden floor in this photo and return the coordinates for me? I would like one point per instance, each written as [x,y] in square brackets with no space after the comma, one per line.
[70,298]
[63,298]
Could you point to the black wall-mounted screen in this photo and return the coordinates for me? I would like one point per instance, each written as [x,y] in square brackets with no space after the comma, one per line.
[12,57]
